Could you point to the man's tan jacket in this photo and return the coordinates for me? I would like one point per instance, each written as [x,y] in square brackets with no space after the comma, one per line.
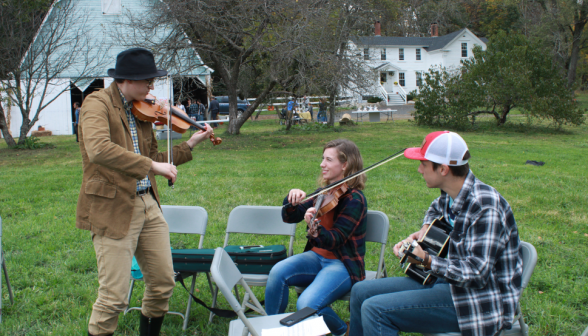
[111,167]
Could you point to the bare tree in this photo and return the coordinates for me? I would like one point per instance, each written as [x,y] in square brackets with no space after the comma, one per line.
[38,46]
[280,46]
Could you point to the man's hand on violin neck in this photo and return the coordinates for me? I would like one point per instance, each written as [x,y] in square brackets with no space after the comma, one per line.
[200,136]
[295,196]
[166,170]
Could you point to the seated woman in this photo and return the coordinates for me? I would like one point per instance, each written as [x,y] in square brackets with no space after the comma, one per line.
[334,260]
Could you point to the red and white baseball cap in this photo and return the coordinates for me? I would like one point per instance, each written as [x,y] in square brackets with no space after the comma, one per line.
[441,147]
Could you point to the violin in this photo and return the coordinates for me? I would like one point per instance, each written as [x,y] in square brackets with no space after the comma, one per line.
[325,203]
[149,110]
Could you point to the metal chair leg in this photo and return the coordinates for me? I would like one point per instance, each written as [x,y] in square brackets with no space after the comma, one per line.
[10,294]
[129,296]
[187,316]
[214,296]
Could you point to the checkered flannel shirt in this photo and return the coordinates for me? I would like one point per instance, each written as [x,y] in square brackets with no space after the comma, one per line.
[194,108]
[347,237]
[484,266]
[144,183]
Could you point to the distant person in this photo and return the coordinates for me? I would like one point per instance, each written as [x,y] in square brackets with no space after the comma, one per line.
[310,111]
[201,109]
[181,106]
[305,102]
[192,109]
[322,113]
[213,110]
[292,104]
[76,107]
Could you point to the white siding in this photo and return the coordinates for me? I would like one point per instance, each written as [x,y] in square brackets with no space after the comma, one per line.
[449,56]
[56,117]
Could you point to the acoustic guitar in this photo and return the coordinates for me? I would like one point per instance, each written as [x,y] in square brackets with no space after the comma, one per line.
[435,242]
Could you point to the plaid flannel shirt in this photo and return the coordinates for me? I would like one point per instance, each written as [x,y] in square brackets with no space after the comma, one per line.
[484,266]
[347,237]
[144,183]
[194,108]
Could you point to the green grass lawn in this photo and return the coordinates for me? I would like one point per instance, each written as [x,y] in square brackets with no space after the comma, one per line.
[52,264]
[582,99]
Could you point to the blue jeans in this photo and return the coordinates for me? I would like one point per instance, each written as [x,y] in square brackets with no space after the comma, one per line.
[386,306]
[322,116]
[327,280]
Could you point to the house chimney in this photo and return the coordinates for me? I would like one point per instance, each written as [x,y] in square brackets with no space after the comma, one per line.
[377,28]
[434,30]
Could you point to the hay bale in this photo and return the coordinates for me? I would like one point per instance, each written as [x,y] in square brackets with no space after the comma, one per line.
[346,120]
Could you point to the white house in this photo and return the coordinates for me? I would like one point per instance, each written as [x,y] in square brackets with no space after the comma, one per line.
[401,61]
[103,22]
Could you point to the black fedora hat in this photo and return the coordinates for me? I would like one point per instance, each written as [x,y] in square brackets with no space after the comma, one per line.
[135,64]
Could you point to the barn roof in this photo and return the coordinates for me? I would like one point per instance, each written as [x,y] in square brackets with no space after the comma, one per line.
[103,30]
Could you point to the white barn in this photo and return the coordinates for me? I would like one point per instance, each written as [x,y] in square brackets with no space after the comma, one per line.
[103,21]
[399,62]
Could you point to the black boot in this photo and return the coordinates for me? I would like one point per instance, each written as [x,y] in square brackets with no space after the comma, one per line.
[150,326]
[93,335]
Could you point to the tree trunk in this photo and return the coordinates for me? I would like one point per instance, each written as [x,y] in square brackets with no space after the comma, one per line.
[505,110]
[4,128]
[576,43]
[232,92]
[24,130]
[236,126]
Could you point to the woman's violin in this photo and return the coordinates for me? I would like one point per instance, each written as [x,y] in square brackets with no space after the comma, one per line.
[150,110]
[325,203]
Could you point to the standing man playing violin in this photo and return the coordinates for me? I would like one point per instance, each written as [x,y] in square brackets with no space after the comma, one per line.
[478,284]
[334,255]
[118,200]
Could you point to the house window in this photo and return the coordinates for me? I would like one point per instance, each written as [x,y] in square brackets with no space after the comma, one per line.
[383,77]
[419,79]
[401,54]
[464,50]
[383,55]
[366,54]
[111,7]
[401,78]
[418,54]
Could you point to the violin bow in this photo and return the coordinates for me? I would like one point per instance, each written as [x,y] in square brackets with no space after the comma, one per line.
[345,179]
[170,150]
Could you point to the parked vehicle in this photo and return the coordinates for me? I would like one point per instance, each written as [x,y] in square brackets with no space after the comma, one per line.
[223,102]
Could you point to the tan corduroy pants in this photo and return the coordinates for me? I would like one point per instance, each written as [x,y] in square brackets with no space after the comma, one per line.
[148,241]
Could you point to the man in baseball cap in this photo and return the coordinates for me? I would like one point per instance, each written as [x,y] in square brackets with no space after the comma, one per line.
[478,285]
[118,200]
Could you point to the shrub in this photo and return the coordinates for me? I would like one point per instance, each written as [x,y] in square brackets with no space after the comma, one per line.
[32,142]
[374,99]
[511,73]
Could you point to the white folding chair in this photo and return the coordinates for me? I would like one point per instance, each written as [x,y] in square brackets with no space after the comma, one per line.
[376,232]
[519,327]
[182,219]
[226,276]
[258,220]
[5,275]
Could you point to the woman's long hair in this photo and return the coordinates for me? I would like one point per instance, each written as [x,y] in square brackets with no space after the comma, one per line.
[347,152]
